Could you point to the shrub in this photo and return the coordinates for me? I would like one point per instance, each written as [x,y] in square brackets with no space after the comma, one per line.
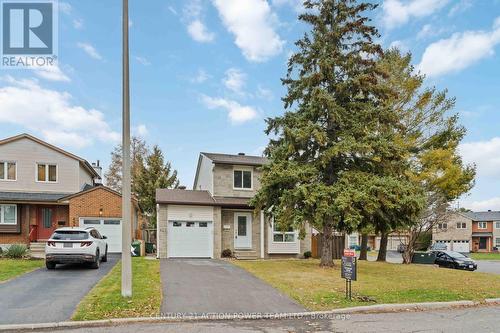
[16,251]
[307,254]
[227,253]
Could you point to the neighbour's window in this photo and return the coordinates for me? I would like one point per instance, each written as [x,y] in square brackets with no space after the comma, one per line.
[8,214]
[461,225]
[177,224]
[497,225]
[442,226]
[482,225]
[242,179]
[202,224]
[189,224]
[46,173]
[8,170]
[497,243]
[283,237]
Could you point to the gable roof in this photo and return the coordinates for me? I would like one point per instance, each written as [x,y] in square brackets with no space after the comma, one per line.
[82,161]
[236,159]
[483,216]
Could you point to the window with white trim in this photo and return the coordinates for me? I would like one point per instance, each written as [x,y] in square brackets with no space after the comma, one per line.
[8,214]
[443,226]
[461,225]
[46,172]
[8,170]
[482,225]
[497,242]
[242,179]
[283,236]
[497,225]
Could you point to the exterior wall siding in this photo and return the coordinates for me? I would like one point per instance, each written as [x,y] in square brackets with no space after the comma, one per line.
[223,181]
[205,181]
[451,232]
[162,224]
[26,153]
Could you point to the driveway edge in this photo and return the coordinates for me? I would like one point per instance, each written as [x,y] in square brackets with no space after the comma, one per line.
[381,308]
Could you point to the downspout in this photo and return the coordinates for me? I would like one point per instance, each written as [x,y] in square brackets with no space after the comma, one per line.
[262,234]
[157,231]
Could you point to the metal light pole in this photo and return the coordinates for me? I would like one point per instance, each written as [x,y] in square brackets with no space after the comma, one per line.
[126,183]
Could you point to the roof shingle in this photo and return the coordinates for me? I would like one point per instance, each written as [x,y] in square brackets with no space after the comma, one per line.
[236,159]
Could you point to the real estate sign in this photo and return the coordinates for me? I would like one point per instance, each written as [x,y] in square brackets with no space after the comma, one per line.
[349,268]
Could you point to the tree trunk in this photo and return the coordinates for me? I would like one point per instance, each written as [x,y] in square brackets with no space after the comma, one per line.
[410,248]
[326,246]
[382,252]
[363,254]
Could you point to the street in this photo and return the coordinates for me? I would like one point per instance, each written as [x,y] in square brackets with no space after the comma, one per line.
[477,320]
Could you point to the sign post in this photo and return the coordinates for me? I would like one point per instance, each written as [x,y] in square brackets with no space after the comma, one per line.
[349,271]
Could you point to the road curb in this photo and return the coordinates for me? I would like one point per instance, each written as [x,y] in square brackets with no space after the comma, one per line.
[175,318]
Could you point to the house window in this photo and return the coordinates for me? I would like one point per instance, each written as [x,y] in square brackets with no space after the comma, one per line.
[242,179]
[497,243]
[46,173]
[461,225]
[8,170]
[283,237]
[8,214]
[443,226]
[481,225]
[497,225]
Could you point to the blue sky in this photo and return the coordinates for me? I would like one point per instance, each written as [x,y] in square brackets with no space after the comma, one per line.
[205,74]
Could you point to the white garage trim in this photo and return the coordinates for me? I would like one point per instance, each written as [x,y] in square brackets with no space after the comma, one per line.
[110,227]
[462,246]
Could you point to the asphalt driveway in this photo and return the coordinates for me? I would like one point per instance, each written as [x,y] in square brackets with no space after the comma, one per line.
[48,296]
[199,286]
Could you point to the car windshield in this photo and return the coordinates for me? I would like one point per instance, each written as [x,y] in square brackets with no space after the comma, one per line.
[456,254]
[70,235]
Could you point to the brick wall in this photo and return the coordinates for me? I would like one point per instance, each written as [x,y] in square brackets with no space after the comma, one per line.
[99,203]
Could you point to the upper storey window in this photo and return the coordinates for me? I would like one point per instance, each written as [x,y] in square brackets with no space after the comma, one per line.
[8,170]
[242,179]
[46,173]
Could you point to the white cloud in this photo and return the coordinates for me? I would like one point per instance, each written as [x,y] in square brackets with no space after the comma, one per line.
[237,113]
[485,154]
[51,113]
[460,7]
[297,5]
[396,13]
[143,60]
[426,31]
[78,23]
[264,93]
[52,73]
[90,50]
[141,130]
[459,51]
[483,205]
[199,32]
[65,8]
[400,45]
[252,23]
[234,80]
[200,77]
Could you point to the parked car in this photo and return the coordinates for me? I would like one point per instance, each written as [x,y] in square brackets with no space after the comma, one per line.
[438,247]
[76,245]
[456,260]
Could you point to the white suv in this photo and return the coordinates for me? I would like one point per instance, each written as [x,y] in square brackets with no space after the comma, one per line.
[76,245]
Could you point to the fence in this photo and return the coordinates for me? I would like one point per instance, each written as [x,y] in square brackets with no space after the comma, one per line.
[336,245]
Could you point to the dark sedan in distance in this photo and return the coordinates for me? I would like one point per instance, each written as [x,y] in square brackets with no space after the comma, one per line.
[456,260]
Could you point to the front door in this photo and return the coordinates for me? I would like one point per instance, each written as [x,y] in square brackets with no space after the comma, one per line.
[46,221]
[482,243]
[242,230]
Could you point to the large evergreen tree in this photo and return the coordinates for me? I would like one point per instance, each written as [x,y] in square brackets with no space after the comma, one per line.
[325,147]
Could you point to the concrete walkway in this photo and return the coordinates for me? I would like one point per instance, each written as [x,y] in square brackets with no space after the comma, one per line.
[200,286]
[47,296]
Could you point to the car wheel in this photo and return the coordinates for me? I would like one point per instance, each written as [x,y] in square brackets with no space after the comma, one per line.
[50,265]
[105,258]
[97,261]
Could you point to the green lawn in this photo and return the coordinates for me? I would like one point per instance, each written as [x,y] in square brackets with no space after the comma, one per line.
[10,268]
[485,256]
[322,289]
[105,301]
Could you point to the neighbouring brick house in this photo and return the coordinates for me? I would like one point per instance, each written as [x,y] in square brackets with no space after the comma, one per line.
[43,187]
[469,231]
[216,214]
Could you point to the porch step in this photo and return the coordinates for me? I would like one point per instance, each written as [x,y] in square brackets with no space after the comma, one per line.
[37,250]
[245,254]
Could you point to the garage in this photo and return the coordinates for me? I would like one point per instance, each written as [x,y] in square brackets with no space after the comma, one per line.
[461,246]
[109,227]
[190,232]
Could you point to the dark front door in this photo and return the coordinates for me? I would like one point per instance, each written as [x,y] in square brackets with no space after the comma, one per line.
[46,222]
[482,243]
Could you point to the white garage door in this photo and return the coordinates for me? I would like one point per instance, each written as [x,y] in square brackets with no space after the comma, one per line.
[189,239]
[111,228]
[461,246]
[446,242]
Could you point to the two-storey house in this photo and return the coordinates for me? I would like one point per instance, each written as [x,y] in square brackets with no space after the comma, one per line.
[215,215]
[43,187]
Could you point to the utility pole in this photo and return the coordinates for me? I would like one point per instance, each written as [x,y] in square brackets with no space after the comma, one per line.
[126,183]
